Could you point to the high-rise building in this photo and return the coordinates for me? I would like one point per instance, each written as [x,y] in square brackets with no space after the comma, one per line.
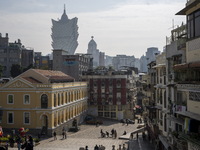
[65,34]
[92,49]
[13,53]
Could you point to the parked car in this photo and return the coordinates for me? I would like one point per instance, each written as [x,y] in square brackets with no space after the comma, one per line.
[92,120]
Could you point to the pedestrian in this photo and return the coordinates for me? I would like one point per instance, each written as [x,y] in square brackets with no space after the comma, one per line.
[123,148]
[18,141]
[54,135]
[86,147]
[107,133]
[143,135]
[127,122]
[112,132]
[131,136]
[115,134]
[29,143]
[137,135]
[65,134]
[96,147]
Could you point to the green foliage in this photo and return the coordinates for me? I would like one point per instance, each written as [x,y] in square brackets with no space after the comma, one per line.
[36,140]
[4,139]
[16,70]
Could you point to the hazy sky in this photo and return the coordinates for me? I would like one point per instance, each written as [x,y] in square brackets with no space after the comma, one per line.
[118,26]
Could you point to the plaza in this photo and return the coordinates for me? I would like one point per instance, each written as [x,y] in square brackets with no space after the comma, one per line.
[89,135]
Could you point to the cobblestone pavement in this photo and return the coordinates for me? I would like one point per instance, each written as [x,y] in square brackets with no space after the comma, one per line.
[90,135]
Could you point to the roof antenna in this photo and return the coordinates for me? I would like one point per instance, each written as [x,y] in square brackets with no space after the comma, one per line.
[64,8]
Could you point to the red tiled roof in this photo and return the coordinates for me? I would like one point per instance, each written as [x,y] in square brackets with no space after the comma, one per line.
[51,74]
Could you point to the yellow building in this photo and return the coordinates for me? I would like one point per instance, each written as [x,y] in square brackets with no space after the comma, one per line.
[42,101]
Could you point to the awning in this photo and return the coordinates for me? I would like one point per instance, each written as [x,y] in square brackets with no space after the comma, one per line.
[164,141]
[159,65]
[181,66]
[189,114]
[188,65]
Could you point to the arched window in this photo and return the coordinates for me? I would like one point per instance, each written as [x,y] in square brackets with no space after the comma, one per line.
[44,101]
[54,100]
[165,123]
[58,99]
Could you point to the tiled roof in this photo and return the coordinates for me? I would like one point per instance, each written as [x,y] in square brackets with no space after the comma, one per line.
[53,75]
[32,80]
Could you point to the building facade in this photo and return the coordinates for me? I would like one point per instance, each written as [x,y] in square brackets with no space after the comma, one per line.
[13,53]
[73,65]
[65,34]
[42,101]
[111,94]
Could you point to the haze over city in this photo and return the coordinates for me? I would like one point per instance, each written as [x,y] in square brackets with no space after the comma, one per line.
[118,26]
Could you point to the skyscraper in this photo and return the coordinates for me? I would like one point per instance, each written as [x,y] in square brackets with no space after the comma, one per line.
[65,34]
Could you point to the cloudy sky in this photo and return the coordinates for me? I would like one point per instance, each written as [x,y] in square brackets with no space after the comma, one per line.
[119,26]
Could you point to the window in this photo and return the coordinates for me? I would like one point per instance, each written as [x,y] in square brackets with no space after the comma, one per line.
[10,117]
[113,114]
[44,101]
[106,114]
[10,99]
[119,107]
[26,117]
[193,24]
[26,99]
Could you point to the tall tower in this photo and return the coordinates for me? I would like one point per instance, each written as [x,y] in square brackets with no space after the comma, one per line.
[65,34]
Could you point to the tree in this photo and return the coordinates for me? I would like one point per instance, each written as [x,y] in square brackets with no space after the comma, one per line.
[1,70]
[27,68]
[15,70]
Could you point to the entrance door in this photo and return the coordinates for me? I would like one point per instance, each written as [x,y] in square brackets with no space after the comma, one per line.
[44,125]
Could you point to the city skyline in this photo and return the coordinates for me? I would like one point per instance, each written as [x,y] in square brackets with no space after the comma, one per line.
[119,27]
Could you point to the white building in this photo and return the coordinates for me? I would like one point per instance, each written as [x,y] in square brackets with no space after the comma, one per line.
[65,34]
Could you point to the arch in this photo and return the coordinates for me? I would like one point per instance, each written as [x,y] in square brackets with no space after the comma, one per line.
[55,100]
[44,101]
[44,124]
[165,123]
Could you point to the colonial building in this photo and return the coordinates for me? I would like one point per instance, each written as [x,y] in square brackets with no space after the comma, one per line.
[42,101]
[111,93]
[65,34]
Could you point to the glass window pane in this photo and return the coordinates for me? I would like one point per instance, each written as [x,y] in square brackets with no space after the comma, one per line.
[197,26]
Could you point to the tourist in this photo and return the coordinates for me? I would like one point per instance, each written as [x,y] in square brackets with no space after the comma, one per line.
[96,147]
[54,135]
[18,141]
[107,133]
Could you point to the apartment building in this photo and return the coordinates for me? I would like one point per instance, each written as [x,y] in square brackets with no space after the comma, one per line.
[111,94]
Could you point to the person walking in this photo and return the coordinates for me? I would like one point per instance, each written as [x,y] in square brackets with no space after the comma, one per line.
[19,142]
[137,135]
[54,135]
[29,143]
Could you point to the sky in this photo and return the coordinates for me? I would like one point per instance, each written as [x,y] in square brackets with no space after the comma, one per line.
[126,27]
